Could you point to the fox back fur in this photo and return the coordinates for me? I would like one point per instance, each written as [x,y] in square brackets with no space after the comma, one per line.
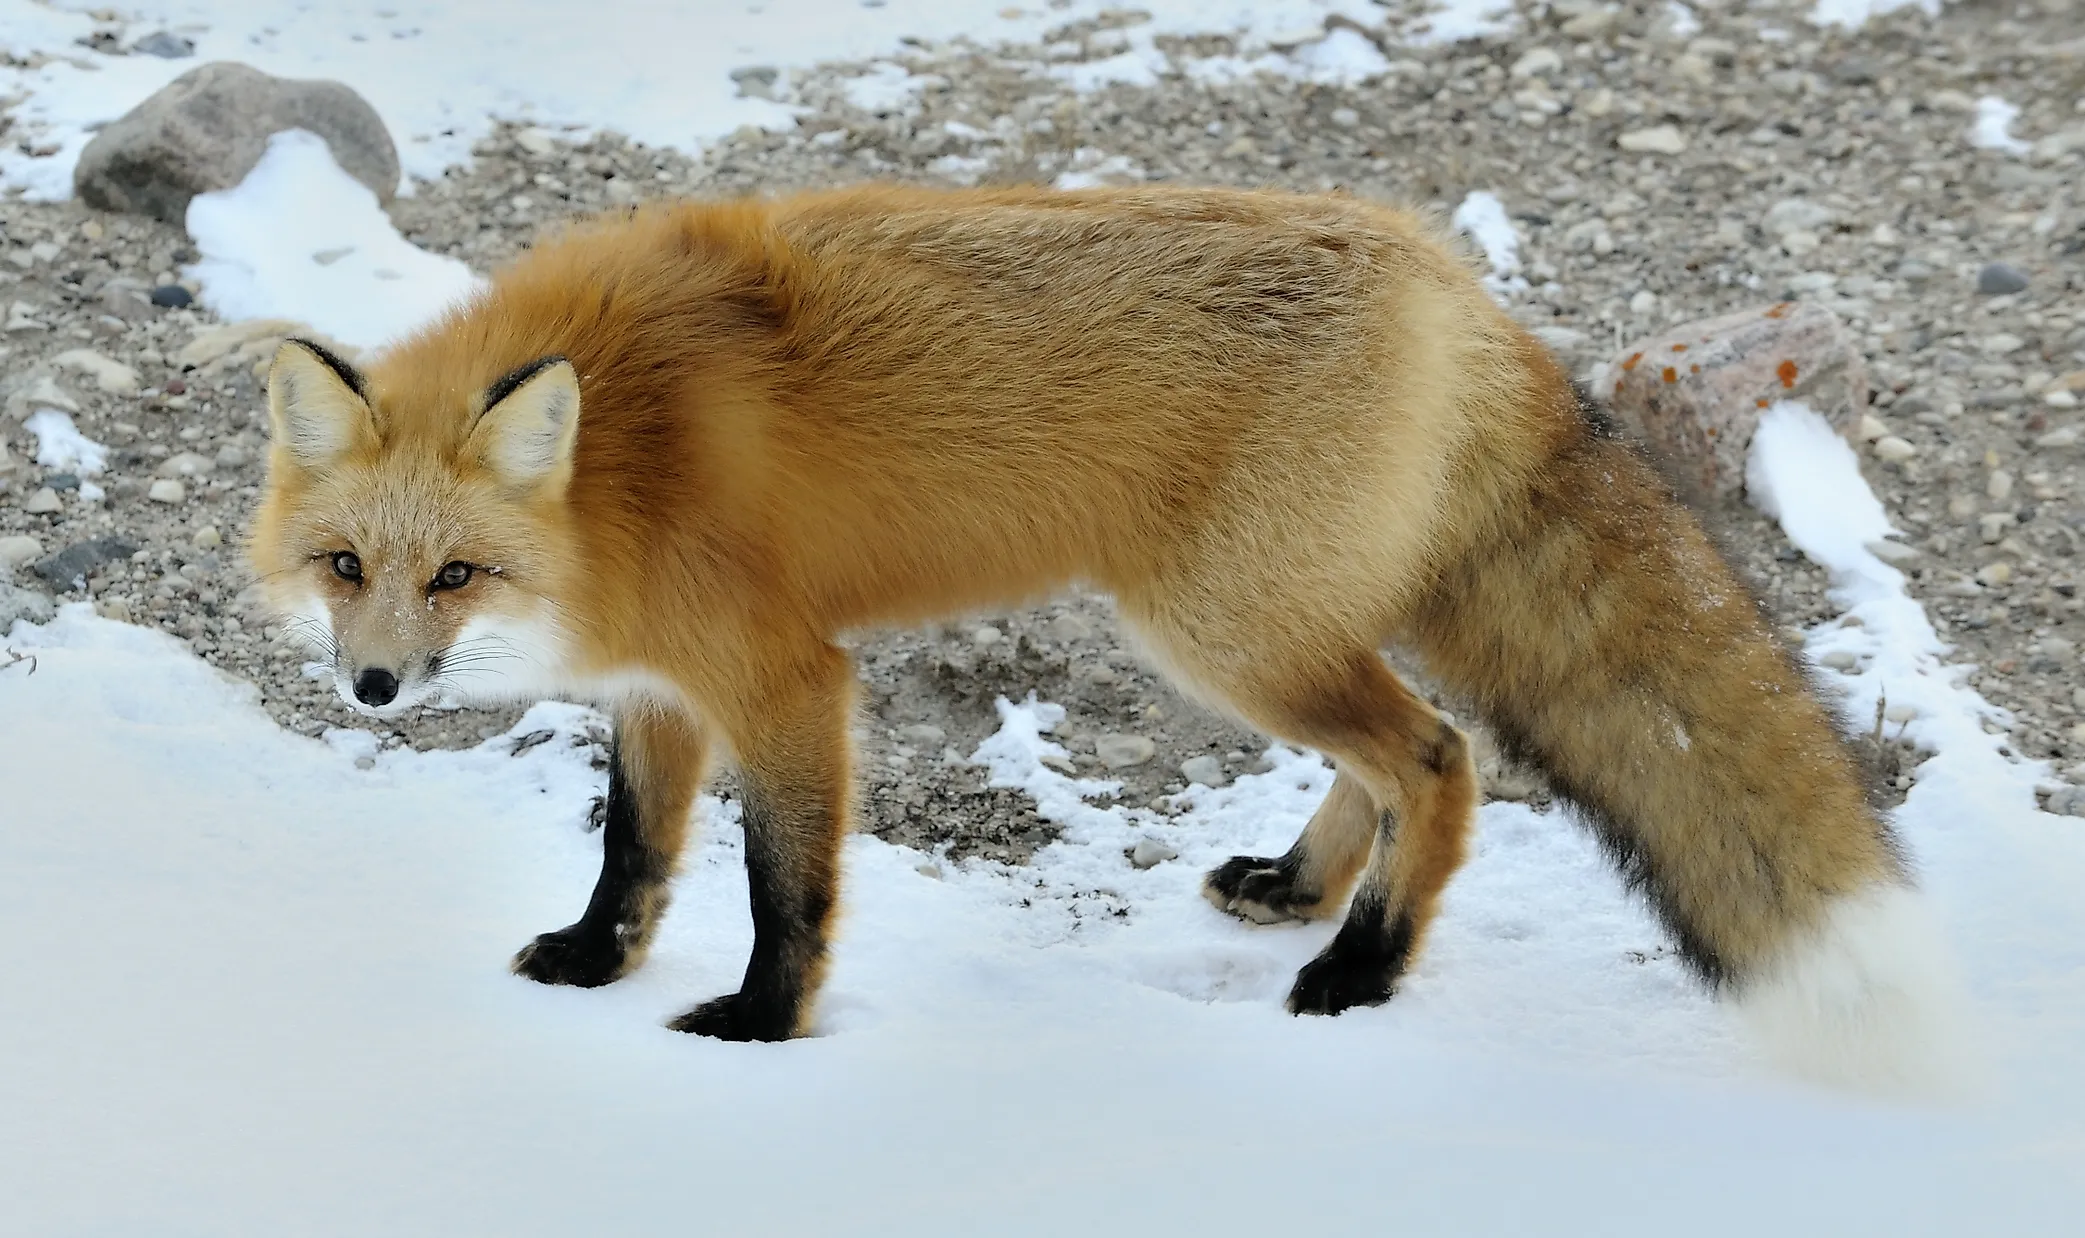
[670,455]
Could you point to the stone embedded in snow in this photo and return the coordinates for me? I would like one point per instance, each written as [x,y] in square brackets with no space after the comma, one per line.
[1896,554]
[1150,853]
[1123,751]
[1656,140]
[206,129]
[1695,392]
[108,373]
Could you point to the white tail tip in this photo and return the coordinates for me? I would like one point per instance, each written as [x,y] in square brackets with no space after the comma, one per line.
[1868,999]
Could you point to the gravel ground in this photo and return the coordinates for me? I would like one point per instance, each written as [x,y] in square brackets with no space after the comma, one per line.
[1979,391]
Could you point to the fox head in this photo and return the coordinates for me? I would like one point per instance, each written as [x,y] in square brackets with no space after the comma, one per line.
[417,549]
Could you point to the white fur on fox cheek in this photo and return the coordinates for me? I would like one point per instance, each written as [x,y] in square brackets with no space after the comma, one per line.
[528,658]
[508,657]
[308,621]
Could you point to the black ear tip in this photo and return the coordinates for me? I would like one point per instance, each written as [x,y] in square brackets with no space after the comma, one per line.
[505,384]
[346,373]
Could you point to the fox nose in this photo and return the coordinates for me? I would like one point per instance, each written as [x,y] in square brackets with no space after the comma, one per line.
[376,686]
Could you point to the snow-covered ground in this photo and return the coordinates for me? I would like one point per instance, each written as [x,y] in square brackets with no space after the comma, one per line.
[438,72]
[258,987]
[258,984]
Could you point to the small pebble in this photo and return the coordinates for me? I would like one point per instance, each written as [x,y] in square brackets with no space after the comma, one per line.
[171,296]
[1656,140]
[19,550]
[1997,279]
[922,735]
[1999,486]
[41,503]
[1069,628]
[1995,574]
[1895,554]
[1123,751]
[184,464]
[1894,450]
[208,538]
[1205,770]
[167,490]
[987,635]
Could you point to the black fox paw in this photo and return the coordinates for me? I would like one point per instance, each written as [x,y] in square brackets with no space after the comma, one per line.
[732,1017]
[1260,889]
[1336,981]
[574,955]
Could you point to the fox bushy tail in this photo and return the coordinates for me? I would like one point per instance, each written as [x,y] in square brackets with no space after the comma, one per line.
[1606,643]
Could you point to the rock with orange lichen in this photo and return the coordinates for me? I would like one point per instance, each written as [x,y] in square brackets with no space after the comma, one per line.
[1694,393]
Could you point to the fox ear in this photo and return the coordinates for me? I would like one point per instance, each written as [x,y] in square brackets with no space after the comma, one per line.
[317,404]
[530,425]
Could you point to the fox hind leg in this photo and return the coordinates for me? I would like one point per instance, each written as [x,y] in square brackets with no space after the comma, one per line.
[654,771]
[1310,879]
[1411,769]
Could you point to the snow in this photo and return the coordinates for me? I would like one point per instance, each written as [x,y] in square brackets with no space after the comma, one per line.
[1853,14]
[438,72]
[1452,21]
[263,991]
[1992,129]
[301,239]
[259,989]
[60,445]
[1483,218]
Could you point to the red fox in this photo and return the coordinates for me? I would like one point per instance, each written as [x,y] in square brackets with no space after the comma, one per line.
[666,457]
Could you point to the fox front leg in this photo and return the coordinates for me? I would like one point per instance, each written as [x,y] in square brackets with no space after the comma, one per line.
[654,770]
[795,801]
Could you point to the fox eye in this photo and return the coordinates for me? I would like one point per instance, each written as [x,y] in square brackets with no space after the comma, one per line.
[347,565]
[454,575]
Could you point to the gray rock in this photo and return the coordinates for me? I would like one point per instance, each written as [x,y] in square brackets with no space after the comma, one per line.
[76,561]
[1204,769]
[171,296]
[18,551]
[1695,392]
[1997,279]
[207,128]
[29,604]
[922,735]
[1123,751]
[127,299]
[164,44]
